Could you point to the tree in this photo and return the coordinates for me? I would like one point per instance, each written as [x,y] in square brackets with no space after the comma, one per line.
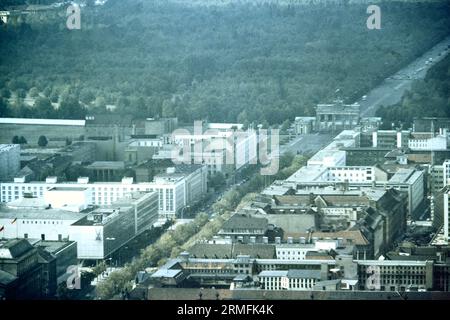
[44,108]
[22,140]
[70,108]
[285,126]
[34,92]
[5,93]
[15,140]
[42,141]
[4,110]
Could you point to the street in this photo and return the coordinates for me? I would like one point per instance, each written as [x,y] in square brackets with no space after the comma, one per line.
[393,88]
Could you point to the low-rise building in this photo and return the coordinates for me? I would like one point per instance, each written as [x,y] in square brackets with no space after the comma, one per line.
[289,279]
[244,228]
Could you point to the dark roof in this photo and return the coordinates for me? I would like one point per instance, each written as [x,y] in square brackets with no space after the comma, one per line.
[231,251]
[16,247]
[6,278]
[240,221]
[297,273]
[45,256]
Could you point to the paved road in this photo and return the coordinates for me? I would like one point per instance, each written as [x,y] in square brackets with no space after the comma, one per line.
[307,143]
[392,89]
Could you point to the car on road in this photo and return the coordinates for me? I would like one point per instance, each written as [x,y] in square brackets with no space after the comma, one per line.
[364,98]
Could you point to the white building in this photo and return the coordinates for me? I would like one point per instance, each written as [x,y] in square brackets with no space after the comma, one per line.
[98,232]
[446,172]
[9,161]
[332,155]
[106,229]
[298,251]
[34,218]
[289,279]
[433,143]
[175,190]
[394,275]
[412,182]
[222,146]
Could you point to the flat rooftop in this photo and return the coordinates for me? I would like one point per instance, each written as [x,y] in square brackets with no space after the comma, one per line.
[68,189]
[112,165]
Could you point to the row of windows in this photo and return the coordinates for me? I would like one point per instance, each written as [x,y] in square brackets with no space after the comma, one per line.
[41,222]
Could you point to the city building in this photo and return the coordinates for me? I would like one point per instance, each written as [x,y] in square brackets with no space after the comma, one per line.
[20,271]
[395,275]
[106,229]
[391,139]
[337,116]
[428,141]
[9,161]
[105,171]
[304,125]
[244,228]
[179,187]
[33,218]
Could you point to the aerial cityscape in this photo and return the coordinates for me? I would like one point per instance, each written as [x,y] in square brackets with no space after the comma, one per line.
[224,150]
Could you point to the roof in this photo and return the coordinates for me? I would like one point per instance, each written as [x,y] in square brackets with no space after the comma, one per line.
[54,247]
[310,274]
[166,273]
[240,221]
[113,165]
[402,175]
[293,273]
[56,122]
[355,235]
[38,214]
[415,263]
[6,278]
[14,248]
[45,256]
[227,251]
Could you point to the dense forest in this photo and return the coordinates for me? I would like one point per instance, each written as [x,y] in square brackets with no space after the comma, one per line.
[239,62]
[429,97]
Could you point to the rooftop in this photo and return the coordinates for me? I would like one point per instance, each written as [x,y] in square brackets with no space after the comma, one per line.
[240,221]
[14,248]
[113,165]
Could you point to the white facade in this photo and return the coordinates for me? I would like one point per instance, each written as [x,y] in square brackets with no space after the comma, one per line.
[293,251]
[156,143]
[446,172]
[107,229]
[171,191]
[410,181]
[9,161]
[70,199]
[435,143]
[33,218]
[298,251]
[217,147]
[283,280]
